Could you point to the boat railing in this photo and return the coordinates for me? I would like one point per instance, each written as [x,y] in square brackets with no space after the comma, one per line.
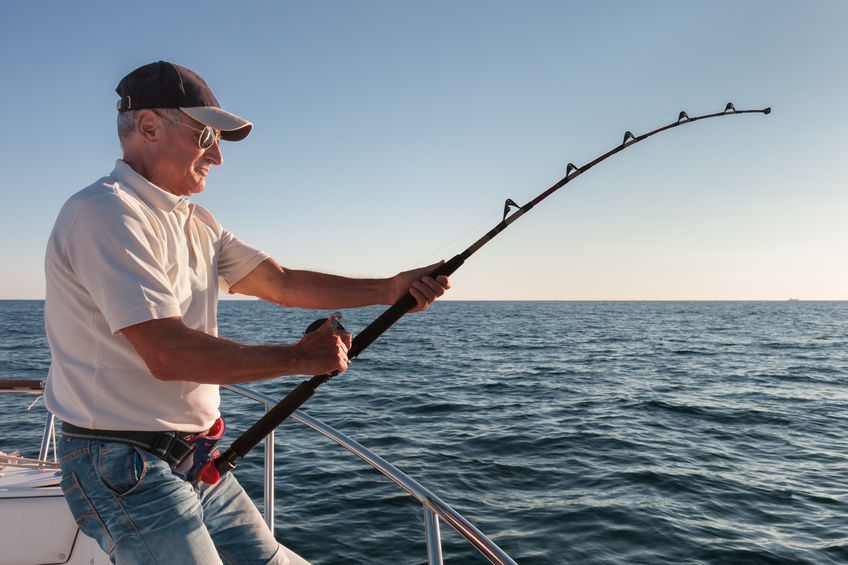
[434,508]
[36,387]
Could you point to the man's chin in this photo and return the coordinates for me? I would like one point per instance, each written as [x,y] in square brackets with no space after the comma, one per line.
[199,187]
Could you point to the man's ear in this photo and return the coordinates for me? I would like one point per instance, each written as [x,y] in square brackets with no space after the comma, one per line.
[148,125]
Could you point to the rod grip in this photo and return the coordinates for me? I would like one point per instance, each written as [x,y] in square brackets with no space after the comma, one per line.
[396,311]
[265,425]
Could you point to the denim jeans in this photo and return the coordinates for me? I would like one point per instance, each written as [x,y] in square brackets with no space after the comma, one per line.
[140,513]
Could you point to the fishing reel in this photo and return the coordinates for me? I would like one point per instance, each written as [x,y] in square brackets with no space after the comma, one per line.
[320,322]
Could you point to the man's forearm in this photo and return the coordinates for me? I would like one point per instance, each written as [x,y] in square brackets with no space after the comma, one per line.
[214,361]
[313,290]
[308,289]
[173,351]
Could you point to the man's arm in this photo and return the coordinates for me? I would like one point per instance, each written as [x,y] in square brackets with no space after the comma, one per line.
[307,289]
[173,351]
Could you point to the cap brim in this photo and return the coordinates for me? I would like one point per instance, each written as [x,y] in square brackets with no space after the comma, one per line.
[231,126]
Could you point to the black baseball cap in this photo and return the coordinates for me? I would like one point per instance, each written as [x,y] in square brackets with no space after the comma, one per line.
[166,85]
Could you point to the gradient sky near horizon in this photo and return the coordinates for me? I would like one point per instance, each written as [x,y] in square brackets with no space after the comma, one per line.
[388,135]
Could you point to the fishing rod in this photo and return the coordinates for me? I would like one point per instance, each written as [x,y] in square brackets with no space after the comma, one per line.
[220,464]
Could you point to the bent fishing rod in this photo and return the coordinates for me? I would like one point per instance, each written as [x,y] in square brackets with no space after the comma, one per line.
[223,463]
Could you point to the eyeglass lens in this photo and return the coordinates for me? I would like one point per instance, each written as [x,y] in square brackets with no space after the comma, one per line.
[207,137]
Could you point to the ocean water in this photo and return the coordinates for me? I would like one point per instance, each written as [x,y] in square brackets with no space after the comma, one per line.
[568,432]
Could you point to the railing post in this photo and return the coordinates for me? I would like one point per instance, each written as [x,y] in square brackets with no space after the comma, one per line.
[434,537]
[269,479]
[47,438]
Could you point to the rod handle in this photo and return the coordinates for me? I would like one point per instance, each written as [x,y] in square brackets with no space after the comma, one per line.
[265,425]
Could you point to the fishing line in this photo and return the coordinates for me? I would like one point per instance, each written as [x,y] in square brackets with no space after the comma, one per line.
[437,253]
[223,463]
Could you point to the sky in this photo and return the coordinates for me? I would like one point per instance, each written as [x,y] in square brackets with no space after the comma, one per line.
[389,133]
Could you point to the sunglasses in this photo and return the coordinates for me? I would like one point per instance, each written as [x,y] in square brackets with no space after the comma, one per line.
[207,137]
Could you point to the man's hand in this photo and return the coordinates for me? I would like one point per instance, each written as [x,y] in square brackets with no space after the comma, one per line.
[323,351]
[420,285]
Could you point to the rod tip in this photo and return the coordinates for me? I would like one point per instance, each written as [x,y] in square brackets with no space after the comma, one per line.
[767,110]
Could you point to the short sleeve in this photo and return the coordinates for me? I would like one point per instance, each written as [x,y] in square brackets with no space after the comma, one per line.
[236,259]
[117,255]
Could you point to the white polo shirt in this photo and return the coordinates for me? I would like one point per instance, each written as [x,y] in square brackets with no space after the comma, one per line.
[123,251]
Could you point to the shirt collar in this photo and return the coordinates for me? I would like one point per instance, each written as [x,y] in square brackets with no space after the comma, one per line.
[146,190]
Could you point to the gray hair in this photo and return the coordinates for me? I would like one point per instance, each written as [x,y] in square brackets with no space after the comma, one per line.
[126,121]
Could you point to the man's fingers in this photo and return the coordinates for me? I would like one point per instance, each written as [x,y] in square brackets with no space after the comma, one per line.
[427,290]
[325,350]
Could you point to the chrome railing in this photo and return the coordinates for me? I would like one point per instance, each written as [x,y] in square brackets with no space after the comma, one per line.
[434,508]
[36,387]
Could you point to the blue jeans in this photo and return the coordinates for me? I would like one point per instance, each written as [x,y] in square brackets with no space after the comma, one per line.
[139,512]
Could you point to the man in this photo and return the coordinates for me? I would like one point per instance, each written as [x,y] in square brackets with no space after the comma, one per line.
[133,271]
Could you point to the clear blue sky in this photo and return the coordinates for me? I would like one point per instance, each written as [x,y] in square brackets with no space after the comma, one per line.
[388,135]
